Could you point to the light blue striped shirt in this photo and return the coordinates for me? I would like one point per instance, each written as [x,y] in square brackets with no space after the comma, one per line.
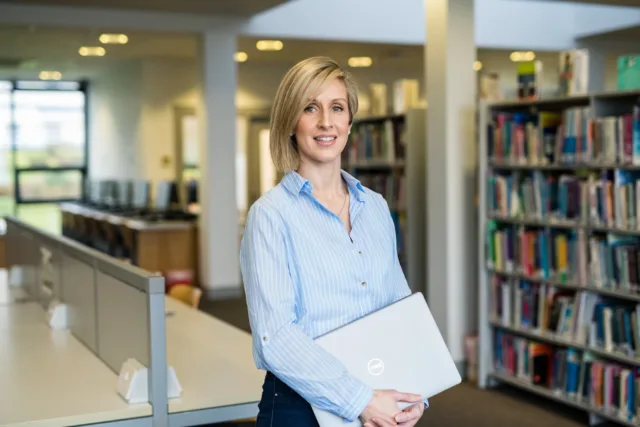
[304,276]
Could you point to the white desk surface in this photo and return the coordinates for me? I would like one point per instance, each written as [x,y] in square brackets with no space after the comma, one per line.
[212,360]
[50,379]
[10,294]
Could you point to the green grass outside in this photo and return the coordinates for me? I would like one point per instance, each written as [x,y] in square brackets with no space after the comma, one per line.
[46,216]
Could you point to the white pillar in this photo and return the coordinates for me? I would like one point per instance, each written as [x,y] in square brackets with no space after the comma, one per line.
[451,161]
[218,228]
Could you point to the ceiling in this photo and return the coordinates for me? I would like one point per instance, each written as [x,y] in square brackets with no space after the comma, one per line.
[629,34]
[25,50]
[244,8]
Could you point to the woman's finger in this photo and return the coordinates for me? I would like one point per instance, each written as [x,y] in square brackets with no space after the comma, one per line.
[384,422]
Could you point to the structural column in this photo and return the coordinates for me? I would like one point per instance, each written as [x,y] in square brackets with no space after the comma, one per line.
[218,228]
[451,169]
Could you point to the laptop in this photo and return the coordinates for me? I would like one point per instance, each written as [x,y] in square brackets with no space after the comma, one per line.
[397,347]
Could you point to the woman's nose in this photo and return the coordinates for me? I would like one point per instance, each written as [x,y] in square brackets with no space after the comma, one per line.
[325,120]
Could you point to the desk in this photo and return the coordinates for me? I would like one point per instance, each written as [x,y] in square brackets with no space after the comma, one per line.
[10,294]
[50,379]
[214,364]
[156,246]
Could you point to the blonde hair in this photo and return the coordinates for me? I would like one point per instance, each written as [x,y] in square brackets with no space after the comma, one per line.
[294,92]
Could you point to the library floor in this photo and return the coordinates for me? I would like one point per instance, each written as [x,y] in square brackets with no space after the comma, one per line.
[464,405]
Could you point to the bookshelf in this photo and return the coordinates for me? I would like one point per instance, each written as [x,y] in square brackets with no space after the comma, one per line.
[388,155]
[559,251]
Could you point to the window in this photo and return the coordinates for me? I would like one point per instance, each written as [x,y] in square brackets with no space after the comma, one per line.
[50,129]
[40,186]
[42,148]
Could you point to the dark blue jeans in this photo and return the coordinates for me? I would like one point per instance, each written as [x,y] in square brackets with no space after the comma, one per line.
[281,406]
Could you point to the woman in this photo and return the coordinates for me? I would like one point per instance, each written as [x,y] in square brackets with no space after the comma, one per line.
[318,251]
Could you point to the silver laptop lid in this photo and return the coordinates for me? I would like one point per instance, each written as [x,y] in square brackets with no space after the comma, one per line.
[397,347]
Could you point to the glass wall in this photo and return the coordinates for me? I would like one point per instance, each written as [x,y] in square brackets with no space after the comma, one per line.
[6,159]
[46,134]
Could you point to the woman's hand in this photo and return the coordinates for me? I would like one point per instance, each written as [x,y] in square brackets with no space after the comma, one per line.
[407,418]
[384,407]
[410,416]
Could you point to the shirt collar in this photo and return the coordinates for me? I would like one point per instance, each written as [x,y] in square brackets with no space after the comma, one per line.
[295,183]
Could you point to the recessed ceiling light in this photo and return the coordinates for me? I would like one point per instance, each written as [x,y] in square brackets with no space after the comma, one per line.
[92,51]
[113,39]
[477,65]
[522,56]
[269,45]
[360,61]
[50,75]
[240,56]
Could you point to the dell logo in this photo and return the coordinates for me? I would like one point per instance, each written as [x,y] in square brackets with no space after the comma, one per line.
[375,366]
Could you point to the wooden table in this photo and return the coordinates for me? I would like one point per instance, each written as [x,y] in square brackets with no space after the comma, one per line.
[156,246]
[50,379]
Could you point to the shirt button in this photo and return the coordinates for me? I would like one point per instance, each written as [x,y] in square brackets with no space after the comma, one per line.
[264,338]
[360,252]
[364,283]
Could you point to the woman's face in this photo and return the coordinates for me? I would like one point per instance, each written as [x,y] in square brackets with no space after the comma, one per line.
[323,125]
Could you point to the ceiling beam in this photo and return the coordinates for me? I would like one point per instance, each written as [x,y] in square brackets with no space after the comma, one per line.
[83,17]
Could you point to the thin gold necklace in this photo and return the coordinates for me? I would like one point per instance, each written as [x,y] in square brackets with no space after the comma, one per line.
[344,202]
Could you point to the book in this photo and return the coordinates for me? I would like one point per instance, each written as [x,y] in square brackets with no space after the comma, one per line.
[574,72]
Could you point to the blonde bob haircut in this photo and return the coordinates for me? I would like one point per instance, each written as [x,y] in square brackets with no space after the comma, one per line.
[297,88]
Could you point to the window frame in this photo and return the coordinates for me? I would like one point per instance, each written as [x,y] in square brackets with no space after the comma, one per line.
[82,86]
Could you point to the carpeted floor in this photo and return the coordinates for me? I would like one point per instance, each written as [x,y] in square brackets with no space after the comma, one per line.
[462,406]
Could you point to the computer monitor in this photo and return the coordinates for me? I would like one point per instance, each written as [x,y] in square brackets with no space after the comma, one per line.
[125,194]
[140,195]
[166,196]
[111,194]
[96,192]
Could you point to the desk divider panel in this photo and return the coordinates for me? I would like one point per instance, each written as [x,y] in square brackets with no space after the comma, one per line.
[115,309]
[79,294]
[50,270]
[22,244]
[123,322]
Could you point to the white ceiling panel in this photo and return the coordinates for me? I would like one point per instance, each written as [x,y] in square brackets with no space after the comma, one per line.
[244,8]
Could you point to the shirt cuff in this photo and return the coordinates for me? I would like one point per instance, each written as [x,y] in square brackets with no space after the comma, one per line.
[426,403]
[359,403]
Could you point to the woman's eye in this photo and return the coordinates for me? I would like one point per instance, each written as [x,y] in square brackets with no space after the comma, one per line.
[338,108]
[310,109]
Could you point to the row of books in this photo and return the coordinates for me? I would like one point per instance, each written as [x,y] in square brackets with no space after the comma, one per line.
[391,186]
[607,199]
[572,136]
[377,140]
[610,262]
[584,318]
[541,253]
[537,195]
[578,376]
[614,199]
